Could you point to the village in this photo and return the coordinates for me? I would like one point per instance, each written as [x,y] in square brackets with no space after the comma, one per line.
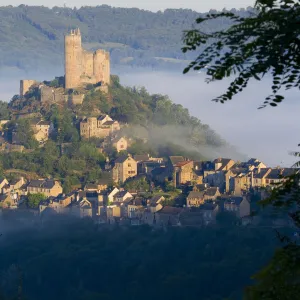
[194,192]
[171,190]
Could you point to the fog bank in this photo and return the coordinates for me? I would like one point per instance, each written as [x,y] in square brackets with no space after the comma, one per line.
[268,134]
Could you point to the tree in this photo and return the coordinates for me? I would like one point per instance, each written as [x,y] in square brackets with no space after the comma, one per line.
[266,42]
[4,111]
[34,200]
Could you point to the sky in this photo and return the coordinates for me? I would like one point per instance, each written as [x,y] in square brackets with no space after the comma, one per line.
[153,5]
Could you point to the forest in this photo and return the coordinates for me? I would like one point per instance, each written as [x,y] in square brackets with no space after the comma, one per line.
[66,258]
[134,37]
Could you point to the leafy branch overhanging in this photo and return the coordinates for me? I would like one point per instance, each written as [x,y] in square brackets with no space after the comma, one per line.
[266,42]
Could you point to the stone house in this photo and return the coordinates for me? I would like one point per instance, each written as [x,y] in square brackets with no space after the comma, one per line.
[82,208]
[3,183]
[195,198]
[211,193]
[184,172]
[17,183]
[276,175]
[111,194]
[259,178]
[48,187]
[8,201]
[60,203]
[146,167]
[239,205]
[120,143]
[135,208]
[98,187]
[124,168]
[223,164]
[99,127]
[155,203]
[168,216]
[41,130]
[180,170]
[113,211]
[122,196]
[200,216]
[240,184]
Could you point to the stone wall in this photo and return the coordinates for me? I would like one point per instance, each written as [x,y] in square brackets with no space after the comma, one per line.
[52,95]
[25,85]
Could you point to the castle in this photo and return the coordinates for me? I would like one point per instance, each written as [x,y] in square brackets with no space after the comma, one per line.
[81,66]
[84,67]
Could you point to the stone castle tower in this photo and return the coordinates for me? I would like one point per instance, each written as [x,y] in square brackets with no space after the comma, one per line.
[84,67]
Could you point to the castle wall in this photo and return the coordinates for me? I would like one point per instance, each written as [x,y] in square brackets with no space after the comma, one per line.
[102,66]
[88,63]
[25,85]
[52,95]
[75,99]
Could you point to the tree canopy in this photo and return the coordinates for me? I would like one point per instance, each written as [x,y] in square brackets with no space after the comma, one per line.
[264,43]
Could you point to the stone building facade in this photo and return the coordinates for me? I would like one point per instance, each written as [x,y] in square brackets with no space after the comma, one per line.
[48,187]
[98,127]
[84,67]
[125,167]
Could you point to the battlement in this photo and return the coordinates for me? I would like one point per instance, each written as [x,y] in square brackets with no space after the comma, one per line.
[82,66]
[75,32]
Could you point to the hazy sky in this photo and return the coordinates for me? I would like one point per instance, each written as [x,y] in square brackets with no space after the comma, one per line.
[198,5]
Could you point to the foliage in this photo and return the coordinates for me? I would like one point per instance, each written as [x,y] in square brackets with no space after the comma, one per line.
[152,40]
[151,117]
[23,133]
[34,200]
[137,184]
[265,42]
[133,257]
[4,111]
[280,278]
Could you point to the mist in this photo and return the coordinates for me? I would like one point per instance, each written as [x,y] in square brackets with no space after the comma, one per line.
[268,134]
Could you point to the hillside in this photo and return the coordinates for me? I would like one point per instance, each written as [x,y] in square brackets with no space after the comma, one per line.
[153,123]
[32,36]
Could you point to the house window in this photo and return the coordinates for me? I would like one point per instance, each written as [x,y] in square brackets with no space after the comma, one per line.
[129,165]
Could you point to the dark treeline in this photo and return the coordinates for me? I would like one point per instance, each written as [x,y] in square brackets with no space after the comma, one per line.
[134,37]
[74,259]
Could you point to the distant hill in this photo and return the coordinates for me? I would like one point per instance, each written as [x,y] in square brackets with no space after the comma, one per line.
[31,37]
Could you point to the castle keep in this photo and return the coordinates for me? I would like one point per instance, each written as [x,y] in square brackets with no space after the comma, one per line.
[84,67]
[81,68]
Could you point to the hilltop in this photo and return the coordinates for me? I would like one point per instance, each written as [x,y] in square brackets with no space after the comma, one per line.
[134,37]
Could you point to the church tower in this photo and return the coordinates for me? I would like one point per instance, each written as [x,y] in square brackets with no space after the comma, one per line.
[73,59]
